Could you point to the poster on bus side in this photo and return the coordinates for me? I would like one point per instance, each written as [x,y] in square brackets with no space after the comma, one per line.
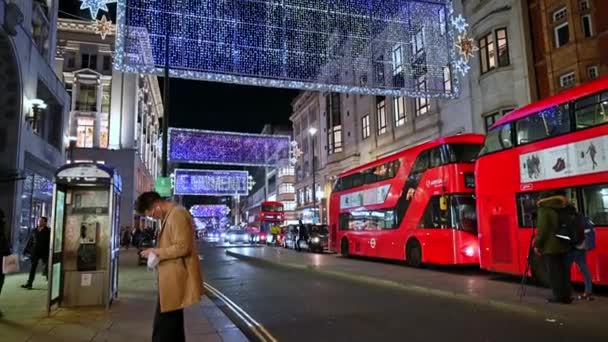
[582,157]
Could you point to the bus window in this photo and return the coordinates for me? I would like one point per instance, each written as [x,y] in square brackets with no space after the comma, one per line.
[463,153]
[547,123]
[435,157]
[527,204]
[595,199]
[271,208]
[591,110]
[497,139]
[433,216]
[464,213]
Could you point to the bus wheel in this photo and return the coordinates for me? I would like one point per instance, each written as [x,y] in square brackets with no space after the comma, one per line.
[539,271]
[344,248]
[413,254]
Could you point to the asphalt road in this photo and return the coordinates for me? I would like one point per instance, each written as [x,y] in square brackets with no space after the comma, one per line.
[301,306]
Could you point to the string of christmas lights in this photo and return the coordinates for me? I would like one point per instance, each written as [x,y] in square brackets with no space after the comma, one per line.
[374,47]
[209,210]
[228,148]
[211,182]
[94,6]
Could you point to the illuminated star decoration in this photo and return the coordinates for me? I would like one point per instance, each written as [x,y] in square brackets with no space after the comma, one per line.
[103,26]
[95,5]
[466,47]
[460,24]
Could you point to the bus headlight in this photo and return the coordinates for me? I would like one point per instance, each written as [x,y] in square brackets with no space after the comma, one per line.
[469,251]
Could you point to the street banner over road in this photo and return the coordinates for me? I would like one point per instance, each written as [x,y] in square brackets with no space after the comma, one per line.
[375,47]
[228,148]
[211,182]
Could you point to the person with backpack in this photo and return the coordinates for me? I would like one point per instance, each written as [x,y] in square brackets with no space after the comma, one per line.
[552,206]
[578,254]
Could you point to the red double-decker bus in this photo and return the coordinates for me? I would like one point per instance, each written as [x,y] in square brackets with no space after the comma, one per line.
[557,143]
[271,213]
[416,205]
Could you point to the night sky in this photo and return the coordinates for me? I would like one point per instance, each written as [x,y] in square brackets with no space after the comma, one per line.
[214,106]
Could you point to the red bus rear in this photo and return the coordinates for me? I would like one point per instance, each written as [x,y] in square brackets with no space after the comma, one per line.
[558,143]
[417,205]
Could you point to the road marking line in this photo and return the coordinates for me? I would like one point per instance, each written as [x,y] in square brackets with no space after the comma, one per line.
[258,329]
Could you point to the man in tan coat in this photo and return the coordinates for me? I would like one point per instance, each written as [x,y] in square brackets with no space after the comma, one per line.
[180,282]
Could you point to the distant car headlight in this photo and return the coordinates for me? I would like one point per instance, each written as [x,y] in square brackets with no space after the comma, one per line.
[316,240]
[223,234]
[263,237]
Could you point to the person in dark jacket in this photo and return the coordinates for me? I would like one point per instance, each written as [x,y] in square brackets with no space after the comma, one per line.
[5,249]
[302,235]
[37,248]
[553,251]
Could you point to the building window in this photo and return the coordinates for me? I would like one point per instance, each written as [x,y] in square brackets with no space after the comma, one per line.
[562,35]
[286,188]
[491,118]
[89,61]
[399,110]
[592,72]
[107,63]
[418,43]
[85,132]
[502,45]
[337,139]
[289,205]
[442,24]
[447,79]
[560,14]
[87,98]
[334,123]
[422,103]
[71,61]
[104,130]
[308,194]
[486,53]
[584,5]
[587,26]
[567,80]
[397,59]
[365,126]
[381,114]
[286,171]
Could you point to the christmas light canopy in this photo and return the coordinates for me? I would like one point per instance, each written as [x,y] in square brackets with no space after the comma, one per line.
[374,47]
[228,148]
[94,6]
[211,182]
[209,210]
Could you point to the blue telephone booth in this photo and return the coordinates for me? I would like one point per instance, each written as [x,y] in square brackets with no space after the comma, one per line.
[84,252]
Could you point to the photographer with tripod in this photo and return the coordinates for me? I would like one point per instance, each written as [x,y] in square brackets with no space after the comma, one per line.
[548,244]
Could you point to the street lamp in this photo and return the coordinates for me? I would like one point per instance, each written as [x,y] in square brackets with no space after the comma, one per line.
[312,131]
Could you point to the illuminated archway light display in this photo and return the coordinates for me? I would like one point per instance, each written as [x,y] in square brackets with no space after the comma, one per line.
[211,182]
[209,210]
[228,148]
[376,47]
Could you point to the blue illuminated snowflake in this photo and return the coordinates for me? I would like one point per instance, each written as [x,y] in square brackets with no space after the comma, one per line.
[95,5]
[462,66]
[460,24]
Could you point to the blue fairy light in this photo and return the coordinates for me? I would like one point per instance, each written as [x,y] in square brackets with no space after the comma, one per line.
[94,6]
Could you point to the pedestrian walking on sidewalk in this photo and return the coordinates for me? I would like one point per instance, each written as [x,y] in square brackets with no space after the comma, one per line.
[180,282]
[578,255]
[5,249]
[553,251]
[37,249]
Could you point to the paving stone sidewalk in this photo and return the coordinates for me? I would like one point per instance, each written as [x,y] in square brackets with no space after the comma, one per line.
[129,319]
